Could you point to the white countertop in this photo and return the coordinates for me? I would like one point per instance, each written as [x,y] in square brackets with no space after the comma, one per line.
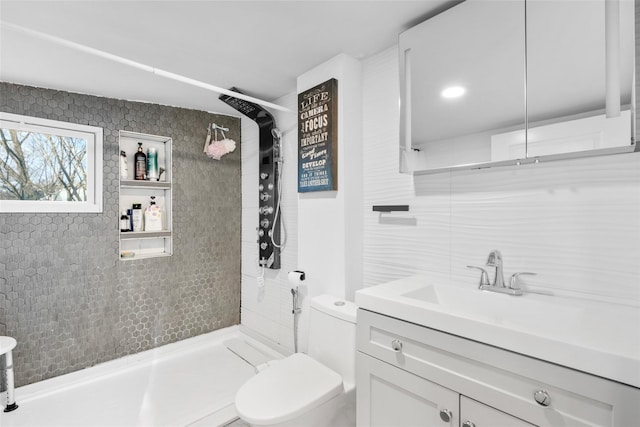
[598,338]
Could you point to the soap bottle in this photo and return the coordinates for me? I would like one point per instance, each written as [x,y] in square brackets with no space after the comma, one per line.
[140,160]
[124,221]
[153,216]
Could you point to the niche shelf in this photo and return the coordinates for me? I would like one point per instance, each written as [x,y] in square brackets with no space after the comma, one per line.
[146,244]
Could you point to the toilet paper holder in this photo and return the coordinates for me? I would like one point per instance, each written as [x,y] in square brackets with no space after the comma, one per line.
[296,277]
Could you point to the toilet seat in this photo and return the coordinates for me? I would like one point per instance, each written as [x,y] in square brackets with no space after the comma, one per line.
[287,389]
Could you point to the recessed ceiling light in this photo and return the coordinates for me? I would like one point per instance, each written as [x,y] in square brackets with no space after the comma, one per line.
[453,92]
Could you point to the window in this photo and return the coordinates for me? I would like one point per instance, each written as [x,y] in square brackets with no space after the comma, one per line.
[49,166]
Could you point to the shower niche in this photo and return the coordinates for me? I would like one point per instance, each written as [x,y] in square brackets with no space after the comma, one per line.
[144,241]
[269,167]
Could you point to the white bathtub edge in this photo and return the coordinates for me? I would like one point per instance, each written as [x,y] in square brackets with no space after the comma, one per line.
[73,379]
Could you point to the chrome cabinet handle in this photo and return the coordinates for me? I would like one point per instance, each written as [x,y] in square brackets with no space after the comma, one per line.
[513,282]
[396,345]
[484,276]
[468,424]
[542,398]
[445,415]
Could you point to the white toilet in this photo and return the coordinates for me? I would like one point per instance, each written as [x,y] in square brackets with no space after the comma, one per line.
[317,389]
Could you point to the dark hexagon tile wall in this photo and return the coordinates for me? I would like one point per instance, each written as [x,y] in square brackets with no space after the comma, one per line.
[65,295]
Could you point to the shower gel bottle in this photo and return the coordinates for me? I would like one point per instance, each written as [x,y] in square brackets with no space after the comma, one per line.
[153,216]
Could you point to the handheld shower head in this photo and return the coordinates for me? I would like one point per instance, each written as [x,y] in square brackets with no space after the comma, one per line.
[276,133]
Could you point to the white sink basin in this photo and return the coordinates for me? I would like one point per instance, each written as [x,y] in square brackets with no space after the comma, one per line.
[537,316]
[599,338]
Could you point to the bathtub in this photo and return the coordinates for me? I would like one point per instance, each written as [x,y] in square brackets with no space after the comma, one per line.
[188,383]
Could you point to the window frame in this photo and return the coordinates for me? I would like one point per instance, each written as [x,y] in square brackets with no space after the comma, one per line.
[94,137]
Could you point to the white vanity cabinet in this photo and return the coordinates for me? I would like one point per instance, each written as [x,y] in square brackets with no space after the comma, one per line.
[410,375]
[389,396]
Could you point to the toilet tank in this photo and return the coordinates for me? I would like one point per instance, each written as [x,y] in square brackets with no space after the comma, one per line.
[332,334]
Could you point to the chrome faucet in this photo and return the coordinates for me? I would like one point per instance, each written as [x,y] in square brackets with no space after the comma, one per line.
[495,260]
[498,285]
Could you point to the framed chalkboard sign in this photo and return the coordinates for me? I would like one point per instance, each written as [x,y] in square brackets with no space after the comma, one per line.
[318,138]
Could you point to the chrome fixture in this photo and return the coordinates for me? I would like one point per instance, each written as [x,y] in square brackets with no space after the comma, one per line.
[484,277]
[295,310]
[7,344]
[513,281]
[542,398]
[498,285]
[495,260]
[446,415]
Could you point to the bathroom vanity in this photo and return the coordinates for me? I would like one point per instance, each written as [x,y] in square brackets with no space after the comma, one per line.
[427,357]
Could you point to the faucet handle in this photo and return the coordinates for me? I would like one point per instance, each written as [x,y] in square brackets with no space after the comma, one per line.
[513,281]
[484,277]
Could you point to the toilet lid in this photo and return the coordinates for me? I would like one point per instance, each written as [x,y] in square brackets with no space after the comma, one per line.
[287,389]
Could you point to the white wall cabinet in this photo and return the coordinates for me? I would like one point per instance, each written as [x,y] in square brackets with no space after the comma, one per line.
[146,244]
[410,375]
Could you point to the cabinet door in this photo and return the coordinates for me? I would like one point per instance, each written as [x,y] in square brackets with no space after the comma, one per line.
[475,414]
[390,397]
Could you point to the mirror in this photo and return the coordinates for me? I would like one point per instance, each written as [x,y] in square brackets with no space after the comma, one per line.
[541,91]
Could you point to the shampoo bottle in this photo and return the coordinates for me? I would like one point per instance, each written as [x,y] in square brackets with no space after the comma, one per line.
[140,160]
[153,216]
[152,164]
[136,217]
[124,221]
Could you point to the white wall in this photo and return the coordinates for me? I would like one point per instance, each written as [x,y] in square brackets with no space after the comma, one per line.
[324,228]
[329,223]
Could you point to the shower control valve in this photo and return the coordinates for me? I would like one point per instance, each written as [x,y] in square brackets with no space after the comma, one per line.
[263,246]
[264,175]
[260,187]
[266,210]
[264,197]
[264,223]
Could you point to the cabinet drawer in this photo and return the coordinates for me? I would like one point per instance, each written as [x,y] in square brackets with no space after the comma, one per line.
[497,377]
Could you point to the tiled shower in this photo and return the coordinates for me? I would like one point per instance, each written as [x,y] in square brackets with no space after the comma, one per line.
[64,293]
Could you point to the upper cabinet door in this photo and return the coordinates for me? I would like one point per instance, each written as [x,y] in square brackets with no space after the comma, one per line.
[580,73]
[462,78]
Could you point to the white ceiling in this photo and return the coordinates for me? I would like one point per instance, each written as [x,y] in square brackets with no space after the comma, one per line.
[259,47]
